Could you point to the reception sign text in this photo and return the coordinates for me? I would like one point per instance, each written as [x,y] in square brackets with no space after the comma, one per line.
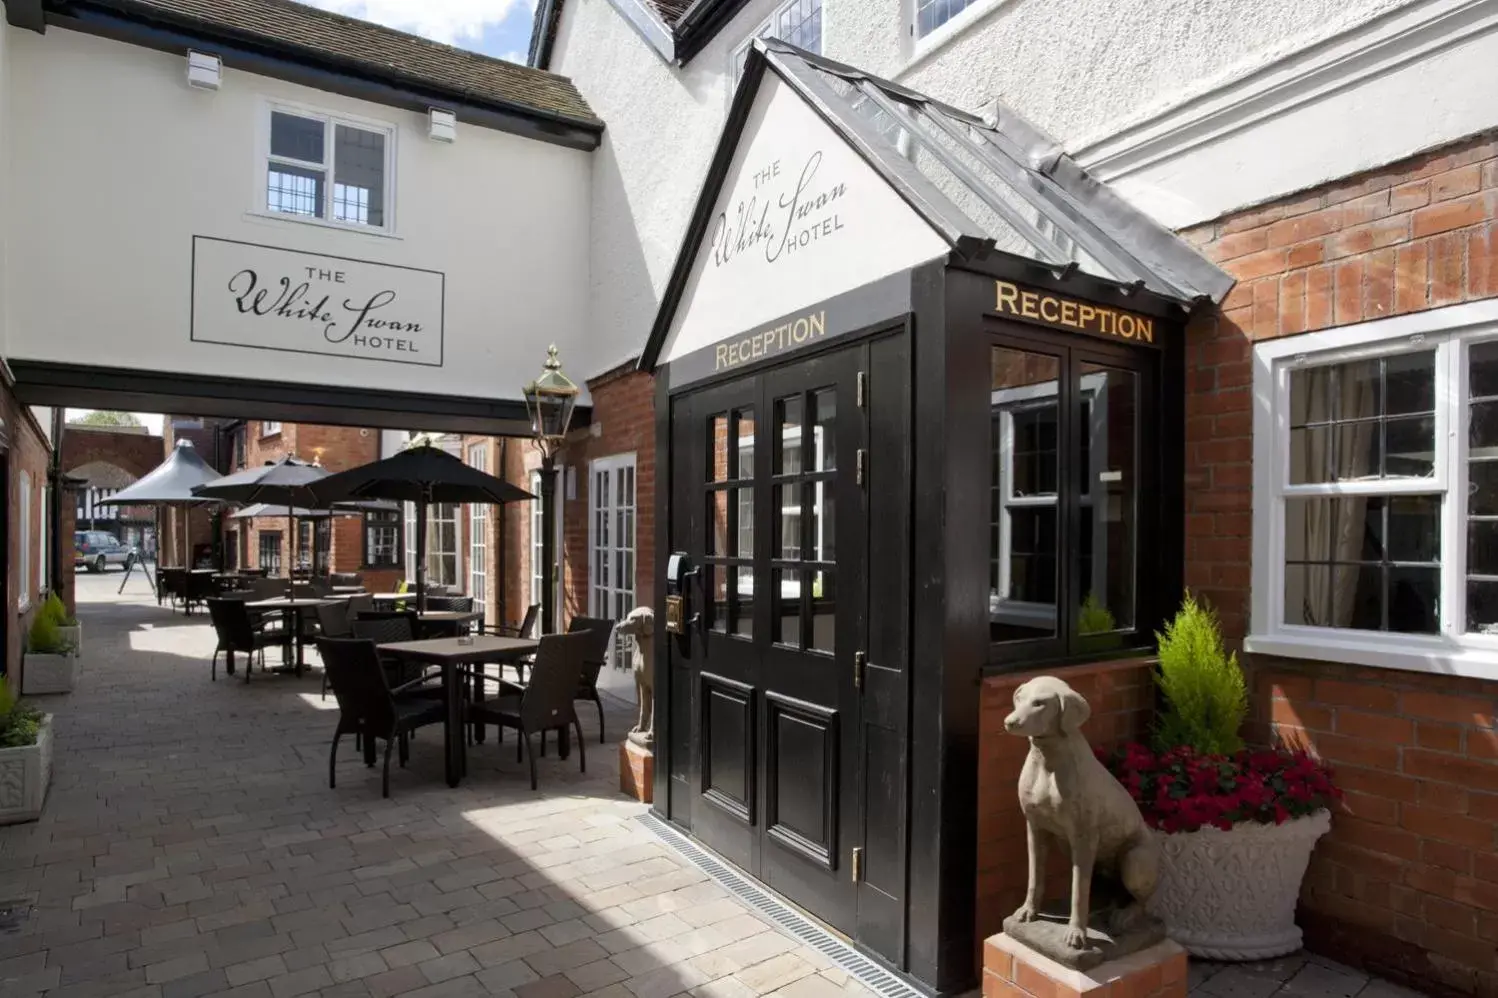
[1067,313]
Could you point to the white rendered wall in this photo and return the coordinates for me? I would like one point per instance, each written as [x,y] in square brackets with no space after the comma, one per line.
[1191,108]
[122,165]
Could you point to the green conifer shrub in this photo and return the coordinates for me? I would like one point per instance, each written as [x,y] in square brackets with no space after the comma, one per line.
[1206,697]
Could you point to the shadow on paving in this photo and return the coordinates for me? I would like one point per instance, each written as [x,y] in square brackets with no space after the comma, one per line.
[191,846]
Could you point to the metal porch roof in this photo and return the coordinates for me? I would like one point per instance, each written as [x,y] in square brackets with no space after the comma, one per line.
[1003,186]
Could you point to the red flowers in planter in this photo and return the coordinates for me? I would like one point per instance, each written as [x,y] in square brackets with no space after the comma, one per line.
[1181,790]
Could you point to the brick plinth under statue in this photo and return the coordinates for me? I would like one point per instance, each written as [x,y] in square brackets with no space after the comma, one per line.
[1013,970]
[637,771]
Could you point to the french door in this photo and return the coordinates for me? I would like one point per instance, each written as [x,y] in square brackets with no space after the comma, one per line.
[768,500]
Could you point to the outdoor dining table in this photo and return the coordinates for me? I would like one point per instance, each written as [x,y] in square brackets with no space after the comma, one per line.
[289,608]
[450,653]
[432,619]
[348,590]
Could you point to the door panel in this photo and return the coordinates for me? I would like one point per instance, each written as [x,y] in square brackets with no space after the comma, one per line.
[802,778]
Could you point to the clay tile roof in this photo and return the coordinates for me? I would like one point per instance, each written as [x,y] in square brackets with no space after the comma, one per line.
[383,52]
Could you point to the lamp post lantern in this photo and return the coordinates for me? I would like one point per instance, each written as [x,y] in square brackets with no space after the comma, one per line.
[549,399]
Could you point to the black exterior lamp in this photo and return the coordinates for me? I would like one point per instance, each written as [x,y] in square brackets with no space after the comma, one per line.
[550,400]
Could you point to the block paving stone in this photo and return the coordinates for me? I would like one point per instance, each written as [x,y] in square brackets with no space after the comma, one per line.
[191,847]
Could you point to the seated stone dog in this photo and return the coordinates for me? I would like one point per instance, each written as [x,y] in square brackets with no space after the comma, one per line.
[1067,794]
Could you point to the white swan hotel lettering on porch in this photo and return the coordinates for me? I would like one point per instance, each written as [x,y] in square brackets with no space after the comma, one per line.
[268,298]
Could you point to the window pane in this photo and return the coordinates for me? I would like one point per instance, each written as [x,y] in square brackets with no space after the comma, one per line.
[1022,536]
[745,546]
[787,611]
[743,610]
[823,611]
[1340,425]
[358,176]
[1482,369]
[1370,563]
[294,190]
[1110,433]
[744,421]
[719,594]
[788,507]
[788,433]
[717,436]
[932,14]
[295,137]
[823,526]
[824,442]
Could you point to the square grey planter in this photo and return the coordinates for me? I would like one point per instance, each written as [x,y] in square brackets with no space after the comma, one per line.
[24,775]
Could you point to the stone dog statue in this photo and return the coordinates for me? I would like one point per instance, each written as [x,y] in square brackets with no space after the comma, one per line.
[640,625]
[1066,794]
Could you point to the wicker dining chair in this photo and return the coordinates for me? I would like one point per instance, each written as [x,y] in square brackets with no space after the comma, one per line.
[547,703]
[368,707]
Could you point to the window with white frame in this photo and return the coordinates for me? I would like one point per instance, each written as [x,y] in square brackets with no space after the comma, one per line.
[382,538]
[270,427]
[478,529]
[538,531]
[410,532]
[23,587]
[796,21]
[44,559]
[1376,494]
[270,551]
[611,540]
[323,167]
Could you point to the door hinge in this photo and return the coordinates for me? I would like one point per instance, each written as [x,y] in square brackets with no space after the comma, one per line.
[857,864]
[860,659]
[863,389]
[863,460]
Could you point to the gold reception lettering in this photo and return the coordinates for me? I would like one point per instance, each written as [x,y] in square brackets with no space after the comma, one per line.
[768,342]
[1058,311]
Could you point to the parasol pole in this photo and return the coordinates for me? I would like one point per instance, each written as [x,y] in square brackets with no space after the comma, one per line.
[292,544]
[421,548]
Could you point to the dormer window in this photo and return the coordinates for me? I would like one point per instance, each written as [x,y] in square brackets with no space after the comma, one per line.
[797,21]
[323,168]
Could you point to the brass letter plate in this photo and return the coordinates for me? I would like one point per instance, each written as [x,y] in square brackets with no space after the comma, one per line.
[673,615]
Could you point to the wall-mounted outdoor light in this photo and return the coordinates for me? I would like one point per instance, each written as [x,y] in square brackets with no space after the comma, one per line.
[549,400]
[442,126]
[204,71]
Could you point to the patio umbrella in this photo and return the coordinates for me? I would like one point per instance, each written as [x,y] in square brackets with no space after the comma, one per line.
[420,475]
[170,484]
[285,483]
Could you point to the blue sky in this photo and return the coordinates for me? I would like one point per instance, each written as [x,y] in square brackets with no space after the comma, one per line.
[500,28]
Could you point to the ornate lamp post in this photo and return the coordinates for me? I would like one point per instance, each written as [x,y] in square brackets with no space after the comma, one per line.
[549,400]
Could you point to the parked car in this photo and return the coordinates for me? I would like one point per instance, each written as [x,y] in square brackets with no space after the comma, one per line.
[97,550]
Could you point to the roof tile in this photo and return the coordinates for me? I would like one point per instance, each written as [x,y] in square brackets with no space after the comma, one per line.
[363,45]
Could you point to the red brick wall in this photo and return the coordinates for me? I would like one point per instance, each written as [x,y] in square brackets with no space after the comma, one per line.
[137,453]
[1121,695]
[1406,883]
[29,453]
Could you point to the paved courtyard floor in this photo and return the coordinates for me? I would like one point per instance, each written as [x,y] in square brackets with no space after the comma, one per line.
[191,846]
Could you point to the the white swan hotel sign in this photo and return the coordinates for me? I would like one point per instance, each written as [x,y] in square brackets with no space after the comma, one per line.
[269,298]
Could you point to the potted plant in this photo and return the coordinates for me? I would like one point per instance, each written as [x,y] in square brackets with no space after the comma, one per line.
[25,758]
[1236,825]
[50,659]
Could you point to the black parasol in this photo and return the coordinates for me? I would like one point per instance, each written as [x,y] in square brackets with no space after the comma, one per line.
[422,475]
[285,483]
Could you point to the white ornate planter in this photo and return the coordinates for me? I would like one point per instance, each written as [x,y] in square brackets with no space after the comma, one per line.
[24,776]
[47,673]
[1231,895]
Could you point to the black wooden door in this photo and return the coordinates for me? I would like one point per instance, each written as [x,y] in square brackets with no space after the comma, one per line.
[778,525]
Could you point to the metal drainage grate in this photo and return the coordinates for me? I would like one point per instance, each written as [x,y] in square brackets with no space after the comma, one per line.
[845,957]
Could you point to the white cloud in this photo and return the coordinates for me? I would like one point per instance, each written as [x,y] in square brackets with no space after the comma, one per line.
[450,21]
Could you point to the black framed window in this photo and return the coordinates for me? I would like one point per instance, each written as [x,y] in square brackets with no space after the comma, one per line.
[1068,481]
[382,539]
[270,551]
